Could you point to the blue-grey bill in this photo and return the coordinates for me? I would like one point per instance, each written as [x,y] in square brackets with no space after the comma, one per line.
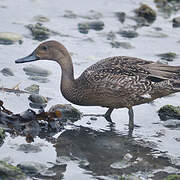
[31,57]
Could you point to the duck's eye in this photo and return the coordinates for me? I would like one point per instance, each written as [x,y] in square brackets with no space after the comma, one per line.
[44,48]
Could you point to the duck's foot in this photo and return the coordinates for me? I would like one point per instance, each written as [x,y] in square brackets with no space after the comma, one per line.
[107,115]
[131,121]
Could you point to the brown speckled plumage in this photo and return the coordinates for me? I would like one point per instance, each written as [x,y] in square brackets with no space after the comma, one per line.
[114,82]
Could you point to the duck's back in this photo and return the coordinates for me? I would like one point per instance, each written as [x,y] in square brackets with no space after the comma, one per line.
[126,81]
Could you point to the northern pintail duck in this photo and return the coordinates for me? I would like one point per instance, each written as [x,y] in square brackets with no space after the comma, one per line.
[114,82]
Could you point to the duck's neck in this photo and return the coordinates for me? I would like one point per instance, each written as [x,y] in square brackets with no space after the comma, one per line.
[67,78]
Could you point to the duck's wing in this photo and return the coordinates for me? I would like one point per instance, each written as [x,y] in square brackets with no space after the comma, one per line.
[115,70]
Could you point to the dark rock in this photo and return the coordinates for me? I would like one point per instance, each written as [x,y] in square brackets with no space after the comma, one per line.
[170,56]
[176,22]
[39,32]
[128,33]
[169,112]
[8,38]
[36,98]
[10,172]
[7,72]
[146,12]
[29,148]
[34,88]
[28,115]
[31,168]
[121,16]
[85,26]
[67,111]
[125,45]
[2,135]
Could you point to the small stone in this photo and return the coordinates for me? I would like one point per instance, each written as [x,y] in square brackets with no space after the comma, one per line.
[70,14]
[10,172]
[33,70]
[34,88]
[85,26]
[156,34]
[170,56]
[121,16]
[83,163]
[29,148]
[36,98]
[39,79]
[121,164]
[125,45]
[30,167]
[40,18]
[128,157]
[176,22]
[128,33]
[8,38]
[171,123]
[7,72]
[169,112]
[93,118]
[146,12]
[67,111]
[39,32]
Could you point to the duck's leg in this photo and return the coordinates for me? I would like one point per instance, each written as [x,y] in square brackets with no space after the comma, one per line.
[131,121]
[107,115]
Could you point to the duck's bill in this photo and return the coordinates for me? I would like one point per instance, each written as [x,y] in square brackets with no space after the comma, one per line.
[30,58]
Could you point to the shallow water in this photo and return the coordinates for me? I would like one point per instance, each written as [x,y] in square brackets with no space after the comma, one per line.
[19,13]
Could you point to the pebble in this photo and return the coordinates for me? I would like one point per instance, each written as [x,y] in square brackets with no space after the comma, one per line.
[169,56]
[29,148]
[128,33]
[34,88]
[176,22]
[7,72]
[84,27]
[121,16]
[39,32]
[30,167]
[70,14]
[33,70]
[146,12]
[36,98]
[67,111]
[125,45]
[40,18]
[83,163]
[39,79]
[7,38]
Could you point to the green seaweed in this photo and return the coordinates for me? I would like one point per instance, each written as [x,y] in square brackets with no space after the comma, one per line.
[173,177]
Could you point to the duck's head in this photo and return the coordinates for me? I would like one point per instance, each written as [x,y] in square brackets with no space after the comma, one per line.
[49,50]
